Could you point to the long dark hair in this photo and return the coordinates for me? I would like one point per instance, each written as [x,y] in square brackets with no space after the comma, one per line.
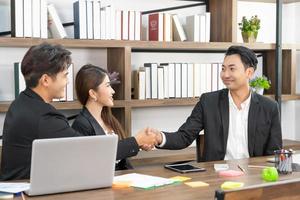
[90,77]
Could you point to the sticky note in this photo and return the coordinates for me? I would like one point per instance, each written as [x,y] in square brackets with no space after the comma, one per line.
[121,184]
[180,178]
[230,173]
[227,185]
[196,184]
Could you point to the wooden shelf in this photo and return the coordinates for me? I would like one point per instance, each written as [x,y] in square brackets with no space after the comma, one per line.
[163,102]
[285,97]
[68,105]
[138,45]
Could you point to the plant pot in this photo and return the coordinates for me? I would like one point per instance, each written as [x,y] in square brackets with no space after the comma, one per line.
[249,37]
[258,90]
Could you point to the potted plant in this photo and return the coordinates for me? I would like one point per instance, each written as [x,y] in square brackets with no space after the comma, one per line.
[258,84]
[249,28]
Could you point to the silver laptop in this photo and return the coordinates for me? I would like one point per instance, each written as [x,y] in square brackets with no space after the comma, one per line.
[71,164]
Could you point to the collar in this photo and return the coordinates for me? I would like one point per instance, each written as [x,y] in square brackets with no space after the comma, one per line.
[243,104]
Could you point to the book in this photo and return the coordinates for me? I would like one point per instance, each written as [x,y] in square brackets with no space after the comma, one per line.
[19,79]
[192,28]
[168,28]
[190,81]
[137,25]
[96,19]
[160,82]
[89,19]
[17,22]
[202,28]
[178,32]
[156,27]
[44,19]
[125,25]
[131,22]
[140,84]
[171,80]
[79,14]
[55,26]
[207,27]
[70,85]
[165,66]
[27,13]
[118,24]
[36,18]
[184,80]
[178,79]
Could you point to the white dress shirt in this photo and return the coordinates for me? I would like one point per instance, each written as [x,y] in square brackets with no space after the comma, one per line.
[237,142]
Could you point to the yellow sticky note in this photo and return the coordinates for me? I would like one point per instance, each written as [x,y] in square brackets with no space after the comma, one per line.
[123,184]
[180,178]
[227,185]
[196,184]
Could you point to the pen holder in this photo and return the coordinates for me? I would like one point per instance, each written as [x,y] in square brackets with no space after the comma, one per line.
[283,161]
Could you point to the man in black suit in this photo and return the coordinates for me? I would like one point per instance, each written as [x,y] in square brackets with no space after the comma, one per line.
[237,122]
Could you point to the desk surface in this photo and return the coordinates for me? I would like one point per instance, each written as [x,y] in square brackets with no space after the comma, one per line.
[179,191]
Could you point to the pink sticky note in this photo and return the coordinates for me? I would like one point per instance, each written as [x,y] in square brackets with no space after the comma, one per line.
[230,173]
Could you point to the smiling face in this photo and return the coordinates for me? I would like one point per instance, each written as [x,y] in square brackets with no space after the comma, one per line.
[234,74]
[104,93]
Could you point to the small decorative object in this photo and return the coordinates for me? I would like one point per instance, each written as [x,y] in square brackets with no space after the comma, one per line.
[114,77]
[269,174]
[258,84]
[249,28]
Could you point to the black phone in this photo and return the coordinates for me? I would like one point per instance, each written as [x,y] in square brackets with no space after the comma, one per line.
[184,168]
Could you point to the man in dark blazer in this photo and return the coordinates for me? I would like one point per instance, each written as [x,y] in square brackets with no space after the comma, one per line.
[237,122]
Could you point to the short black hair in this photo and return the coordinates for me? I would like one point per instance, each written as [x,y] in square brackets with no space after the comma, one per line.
[42,59]
[248,57]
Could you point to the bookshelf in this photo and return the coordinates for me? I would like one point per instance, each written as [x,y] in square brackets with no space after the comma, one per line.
[223,34]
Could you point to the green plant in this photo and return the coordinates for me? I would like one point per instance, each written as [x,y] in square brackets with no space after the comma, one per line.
[252,25]
[260,82]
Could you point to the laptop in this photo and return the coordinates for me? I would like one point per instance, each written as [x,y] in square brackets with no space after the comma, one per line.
[72,164]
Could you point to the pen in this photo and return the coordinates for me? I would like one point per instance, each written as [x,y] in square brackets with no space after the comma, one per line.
[23,196]
[257,166]
[242,169]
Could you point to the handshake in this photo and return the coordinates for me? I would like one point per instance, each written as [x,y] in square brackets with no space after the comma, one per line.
[147,138]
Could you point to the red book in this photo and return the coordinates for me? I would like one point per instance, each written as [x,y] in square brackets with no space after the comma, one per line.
[155,27]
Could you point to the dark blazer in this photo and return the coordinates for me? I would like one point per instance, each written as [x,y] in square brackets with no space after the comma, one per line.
[28,118]
[212,114]
[85,123]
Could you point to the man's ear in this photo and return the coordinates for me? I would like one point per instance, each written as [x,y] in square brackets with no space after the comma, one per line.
[45,80]
[250,72]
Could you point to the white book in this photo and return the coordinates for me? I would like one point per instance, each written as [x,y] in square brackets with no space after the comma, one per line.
[44,19]
[208,78]
[108,24]
[89,19]
[171,80]
[160,82]
[165,66]
[184,80]
[190,80]
[192,28]
[112,23]
[27,6]
[197,80]
[140,84]
[80,19]
[103,23]
[36,18]
[137,25]
[55,26]
[214,76]
[96,19]
[70,85]
[125,25]
[203,79]
[118,25]
[148,80]
[207,27]
[177,80]
[202,28]
[178,32]
[131,22]
[17,20]
[168,31]
[220,82]
[154,87]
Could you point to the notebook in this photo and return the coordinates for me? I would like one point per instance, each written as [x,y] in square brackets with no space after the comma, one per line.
[72,164]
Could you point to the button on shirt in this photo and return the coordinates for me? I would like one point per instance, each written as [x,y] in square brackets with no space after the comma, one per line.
[237,142]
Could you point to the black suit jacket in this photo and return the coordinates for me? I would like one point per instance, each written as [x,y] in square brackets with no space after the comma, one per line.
[85,123]
[212,114]
[28,118]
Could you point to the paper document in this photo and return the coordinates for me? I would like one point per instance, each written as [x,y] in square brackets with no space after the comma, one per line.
[143,181]
[14,187]
[221,167]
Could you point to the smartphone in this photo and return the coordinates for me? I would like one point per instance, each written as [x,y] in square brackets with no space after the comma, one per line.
[184,168]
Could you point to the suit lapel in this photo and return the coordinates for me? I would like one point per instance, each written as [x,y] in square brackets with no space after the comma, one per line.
[96,126]
[254,105]
[224,110]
